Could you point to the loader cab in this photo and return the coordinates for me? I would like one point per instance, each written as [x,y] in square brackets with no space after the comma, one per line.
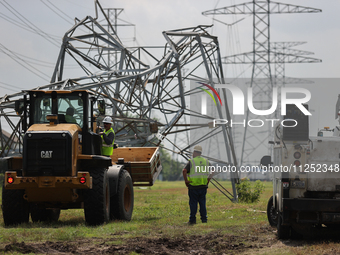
[70,107]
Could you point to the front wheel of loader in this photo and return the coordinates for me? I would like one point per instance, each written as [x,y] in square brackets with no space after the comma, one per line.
[97,199]
[15,209]
[122,202]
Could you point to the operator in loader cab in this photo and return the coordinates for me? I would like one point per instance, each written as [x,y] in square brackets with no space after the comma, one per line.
[69,115]
[108,137]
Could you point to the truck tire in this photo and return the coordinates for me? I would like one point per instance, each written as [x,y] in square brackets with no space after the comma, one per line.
[294,234]
[15,209]
[122,202]
[271,213]
[283,232]
[43,214]
[97,199]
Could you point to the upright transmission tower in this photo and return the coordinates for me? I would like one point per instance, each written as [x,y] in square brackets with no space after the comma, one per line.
[282,54]
[261,58]
[112,27]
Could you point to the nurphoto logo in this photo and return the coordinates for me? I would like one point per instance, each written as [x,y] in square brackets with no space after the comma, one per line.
[238,103]
[238,99]
[204,97]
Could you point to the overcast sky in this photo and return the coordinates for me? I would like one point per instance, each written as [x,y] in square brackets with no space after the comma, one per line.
[320,31]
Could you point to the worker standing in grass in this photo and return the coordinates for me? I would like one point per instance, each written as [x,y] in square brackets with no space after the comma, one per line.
[196,177]
[108,137]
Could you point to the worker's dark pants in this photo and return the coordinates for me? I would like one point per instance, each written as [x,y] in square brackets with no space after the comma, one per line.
[197,196]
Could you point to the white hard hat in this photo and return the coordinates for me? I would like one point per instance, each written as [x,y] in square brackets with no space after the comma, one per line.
[198,148]
[107,119]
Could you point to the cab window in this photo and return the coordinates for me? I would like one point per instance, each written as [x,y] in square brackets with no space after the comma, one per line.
[70,109]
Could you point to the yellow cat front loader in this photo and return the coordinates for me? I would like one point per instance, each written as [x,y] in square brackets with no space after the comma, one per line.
[62,167]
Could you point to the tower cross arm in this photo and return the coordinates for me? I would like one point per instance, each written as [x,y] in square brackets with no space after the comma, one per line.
[261,7]
[276,7]
[245,8]
[291,58]
[261,58]
[243,58]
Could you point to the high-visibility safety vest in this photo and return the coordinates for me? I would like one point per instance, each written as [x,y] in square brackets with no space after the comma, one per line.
[198,171]
[107,149]
[70,119]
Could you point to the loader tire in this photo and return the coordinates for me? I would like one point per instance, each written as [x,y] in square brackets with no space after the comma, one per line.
[272,214]
[97,199]
[15,209]
[122,202]
[53,214]
[44,215]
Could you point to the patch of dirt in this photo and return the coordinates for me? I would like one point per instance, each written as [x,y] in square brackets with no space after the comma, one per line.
[19,247]
[47,247]
[213,243]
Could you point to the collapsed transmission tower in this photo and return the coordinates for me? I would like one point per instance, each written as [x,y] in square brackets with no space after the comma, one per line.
[139,95]
[261,57]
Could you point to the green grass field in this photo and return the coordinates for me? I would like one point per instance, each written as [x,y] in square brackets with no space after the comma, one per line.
[160,213]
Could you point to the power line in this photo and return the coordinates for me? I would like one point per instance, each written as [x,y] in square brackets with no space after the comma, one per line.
[69,17]
[10,85]
[40,62]
[18,24]
[22,60]
[7,87]
[49,7]
[32,26]
[79,5]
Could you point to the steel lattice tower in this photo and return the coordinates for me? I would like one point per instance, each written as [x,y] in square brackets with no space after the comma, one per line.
[261,58]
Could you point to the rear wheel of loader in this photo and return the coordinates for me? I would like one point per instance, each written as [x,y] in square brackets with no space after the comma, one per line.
[15,208]
[122,202]
[272,213]
[43,214]
[97,199]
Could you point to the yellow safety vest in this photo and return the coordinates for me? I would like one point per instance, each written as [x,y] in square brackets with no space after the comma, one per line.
[198,171]
[107,149]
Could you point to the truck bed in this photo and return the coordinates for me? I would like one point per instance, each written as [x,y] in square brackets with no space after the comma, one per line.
[143,163]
